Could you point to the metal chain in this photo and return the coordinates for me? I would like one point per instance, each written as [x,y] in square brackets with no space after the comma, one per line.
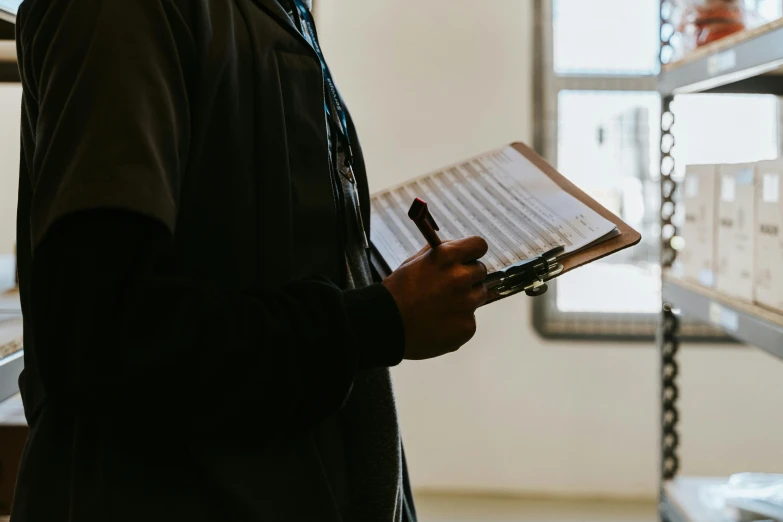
[669,346]
[668,335]
[668,185]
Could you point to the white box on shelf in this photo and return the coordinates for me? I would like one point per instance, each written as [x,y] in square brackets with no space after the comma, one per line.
[769,235]
[736,230]
[698,255]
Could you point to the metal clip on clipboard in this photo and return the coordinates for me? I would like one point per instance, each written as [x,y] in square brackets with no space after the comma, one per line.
[529,276]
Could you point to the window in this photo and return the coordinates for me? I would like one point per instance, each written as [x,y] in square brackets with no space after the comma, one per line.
[614,132]
[768,9]
[605,37]
[598,120]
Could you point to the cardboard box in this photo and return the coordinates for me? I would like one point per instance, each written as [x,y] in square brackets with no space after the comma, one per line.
[697,258]
[769,235]
[736,230]
[13,435]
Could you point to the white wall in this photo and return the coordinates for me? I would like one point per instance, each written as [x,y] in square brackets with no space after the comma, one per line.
[431,82]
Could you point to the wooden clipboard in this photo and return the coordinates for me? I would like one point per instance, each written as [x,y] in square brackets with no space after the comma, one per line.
[626,238]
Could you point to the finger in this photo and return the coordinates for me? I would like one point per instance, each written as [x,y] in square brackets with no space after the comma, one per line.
[472,299]
[418,254]
[477,271]
[466,250]
[478,296]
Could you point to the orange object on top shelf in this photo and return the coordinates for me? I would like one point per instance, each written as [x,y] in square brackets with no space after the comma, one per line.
[711,20]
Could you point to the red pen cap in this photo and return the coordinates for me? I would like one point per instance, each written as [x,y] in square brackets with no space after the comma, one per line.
[419,211]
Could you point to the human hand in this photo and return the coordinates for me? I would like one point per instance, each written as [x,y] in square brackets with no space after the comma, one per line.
[437,292]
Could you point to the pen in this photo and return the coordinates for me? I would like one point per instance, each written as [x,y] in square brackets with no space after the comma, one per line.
[420,215]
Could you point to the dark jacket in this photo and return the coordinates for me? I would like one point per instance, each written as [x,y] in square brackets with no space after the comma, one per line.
[181,263]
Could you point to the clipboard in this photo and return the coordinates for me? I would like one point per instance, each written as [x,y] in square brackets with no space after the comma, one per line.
[530,276]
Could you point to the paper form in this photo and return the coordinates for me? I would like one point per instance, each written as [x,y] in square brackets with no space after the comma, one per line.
[500,196]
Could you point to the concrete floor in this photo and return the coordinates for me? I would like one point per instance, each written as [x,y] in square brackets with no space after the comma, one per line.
[448,508]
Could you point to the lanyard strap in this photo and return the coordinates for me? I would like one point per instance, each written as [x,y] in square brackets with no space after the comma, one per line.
[340,118]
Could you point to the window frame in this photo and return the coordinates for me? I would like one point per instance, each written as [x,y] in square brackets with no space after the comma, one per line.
[548,321]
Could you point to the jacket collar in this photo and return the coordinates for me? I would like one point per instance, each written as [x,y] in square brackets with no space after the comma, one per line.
[277,11]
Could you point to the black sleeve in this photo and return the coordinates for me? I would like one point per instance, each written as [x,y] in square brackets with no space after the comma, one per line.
[118,325]
[120,330]
[108,83]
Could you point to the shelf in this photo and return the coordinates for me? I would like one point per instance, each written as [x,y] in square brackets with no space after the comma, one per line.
[6,14]
[11,355]
[744,322]
[10,368]
[9,69]
[681,501]
[10,303]
[12,412]
[747,62]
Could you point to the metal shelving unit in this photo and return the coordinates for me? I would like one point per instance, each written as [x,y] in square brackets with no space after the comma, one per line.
[11,365]
[9,70]
[744,322]
[680,501]
[749,62]
[7,16]
[10,369]
[11,355]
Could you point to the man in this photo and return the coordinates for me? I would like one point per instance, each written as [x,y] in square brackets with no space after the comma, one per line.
[204,340]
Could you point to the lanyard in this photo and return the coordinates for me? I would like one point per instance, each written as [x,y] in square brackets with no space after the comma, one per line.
[340,119]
